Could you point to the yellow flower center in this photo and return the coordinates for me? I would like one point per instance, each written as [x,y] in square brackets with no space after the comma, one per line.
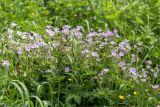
[135,93]
[121,97]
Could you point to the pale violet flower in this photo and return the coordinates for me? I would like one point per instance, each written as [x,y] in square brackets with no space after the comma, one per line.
[148,62]
[95,54]
[28,47]
[121,53]
[114,52]
[121,64]
[133,71]
[66,69]
[78,34]
[66,27]
[107,34]
[50,32]
[65,31]
[92,34]
[78,28]
[103,43]
[125,45]
[5,63]
[155,86]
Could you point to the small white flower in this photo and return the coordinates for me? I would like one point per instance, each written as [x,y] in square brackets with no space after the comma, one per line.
[13,24]
[19,33]
[104,71]
[113,42]
[155,74]
[140,43]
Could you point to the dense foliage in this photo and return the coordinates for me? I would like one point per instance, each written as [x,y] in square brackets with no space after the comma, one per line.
[80,53]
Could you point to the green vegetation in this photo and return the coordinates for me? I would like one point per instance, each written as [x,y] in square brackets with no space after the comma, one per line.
[80,53]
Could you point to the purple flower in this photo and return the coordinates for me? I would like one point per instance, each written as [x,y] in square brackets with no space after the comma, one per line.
[114,52]
[66,27]
[37,36]
[125,45]
[148,62]
[92,34]
[34,46]
[42,43]
[121,64]
[115,31]
[66,69]
[103,43]
[5,63]
[133,71]
[28,47]
[50,32]
[107,34]
[95,54]
[65,31]
[121,53]
[78,28]
[78,34]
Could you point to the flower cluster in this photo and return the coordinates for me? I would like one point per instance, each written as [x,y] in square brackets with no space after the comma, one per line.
[71,54]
